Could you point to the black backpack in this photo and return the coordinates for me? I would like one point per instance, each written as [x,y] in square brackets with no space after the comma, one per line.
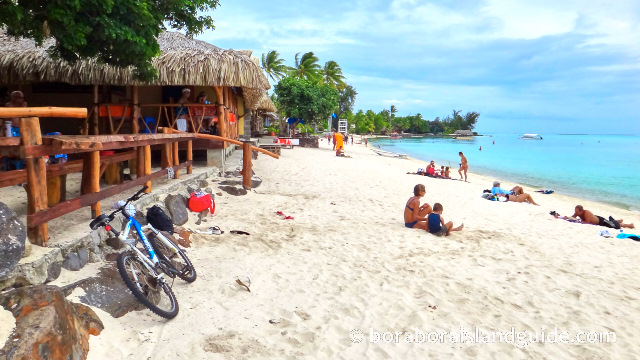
[159,220]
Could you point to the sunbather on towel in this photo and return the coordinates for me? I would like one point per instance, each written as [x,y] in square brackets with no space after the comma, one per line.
[519,198]
[587,217]
[496,189]
[414,213]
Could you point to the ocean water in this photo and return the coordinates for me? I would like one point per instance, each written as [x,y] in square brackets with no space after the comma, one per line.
[604,168]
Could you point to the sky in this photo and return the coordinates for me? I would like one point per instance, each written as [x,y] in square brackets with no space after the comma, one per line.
[543,66]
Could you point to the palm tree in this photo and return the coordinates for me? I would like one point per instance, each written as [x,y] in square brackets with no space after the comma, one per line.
[274,66]
[307,67]
[333,75]
[393,111]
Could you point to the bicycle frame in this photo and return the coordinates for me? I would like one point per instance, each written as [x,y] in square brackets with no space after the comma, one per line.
[152,259]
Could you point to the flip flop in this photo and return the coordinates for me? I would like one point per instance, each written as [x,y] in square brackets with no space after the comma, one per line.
[280,213]
[288,218]
[239,232]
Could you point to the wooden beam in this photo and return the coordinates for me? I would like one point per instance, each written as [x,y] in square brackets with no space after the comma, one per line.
[96,113]
[43,112]
[190,156]
[176,158]
[36,180]
[246,165]
[232,141]
[66,207]
[9,141]
[135,127]
[91,179]
[147,166]
[166,152]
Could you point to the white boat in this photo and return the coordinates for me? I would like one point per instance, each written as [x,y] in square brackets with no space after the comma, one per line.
[531,137]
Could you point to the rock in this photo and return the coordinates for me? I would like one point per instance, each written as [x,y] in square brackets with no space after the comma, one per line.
[177,206]
[72,262]
[218,194]
[208,190]
[203,184]
[28,247]
[233,190]
[53,271]
[12,239]
[83,255]
[114,243]
[47,325]
[255,182]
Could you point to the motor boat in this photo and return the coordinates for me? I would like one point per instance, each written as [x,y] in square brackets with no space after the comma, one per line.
[530,137]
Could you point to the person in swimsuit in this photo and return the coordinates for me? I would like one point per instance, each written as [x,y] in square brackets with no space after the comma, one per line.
[436,223]
[464,166]
[182,112]
[496,189]
[587,217]
[414,213]
[519,198]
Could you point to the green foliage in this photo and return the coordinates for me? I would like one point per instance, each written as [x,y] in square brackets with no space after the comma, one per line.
[117,32]
[274,66]
[301,98]
[386,120]
[347,100]
[332,74]
[307,67]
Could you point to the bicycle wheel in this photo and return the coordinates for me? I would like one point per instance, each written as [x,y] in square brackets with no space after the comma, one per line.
[154,294]
[179,261]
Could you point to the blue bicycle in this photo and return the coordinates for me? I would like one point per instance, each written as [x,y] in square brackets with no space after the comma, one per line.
[144,269]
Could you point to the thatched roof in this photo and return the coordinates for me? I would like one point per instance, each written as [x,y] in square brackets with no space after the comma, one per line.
[463,132]
[257,99]
[183,61]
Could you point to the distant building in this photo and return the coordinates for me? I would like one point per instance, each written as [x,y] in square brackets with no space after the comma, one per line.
[463,133]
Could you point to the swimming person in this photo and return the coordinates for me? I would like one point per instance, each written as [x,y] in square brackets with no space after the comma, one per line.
[464,166]
[414,213]
[436,224]
[587,217]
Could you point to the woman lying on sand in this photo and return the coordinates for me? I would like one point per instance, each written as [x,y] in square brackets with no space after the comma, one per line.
[414,213]
[519,198]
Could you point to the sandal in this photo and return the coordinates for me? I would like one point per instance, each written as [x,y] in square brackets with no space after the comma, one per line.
[215,230]
[239,232]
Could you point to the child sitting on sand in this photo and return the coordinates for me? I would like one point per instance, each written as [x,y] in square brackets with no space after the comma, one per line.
[436,225]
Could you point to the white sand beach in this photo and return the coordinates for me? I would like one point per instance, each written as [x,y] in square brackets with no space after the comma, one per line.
[346,264]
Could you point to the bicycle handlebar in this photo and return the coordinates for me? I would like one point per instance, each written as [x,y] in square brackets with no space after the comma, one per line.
[133,197]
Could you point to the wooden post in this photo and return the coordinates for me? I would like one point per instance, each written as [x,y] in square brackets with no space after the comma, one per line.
[135,126]
[246,165]
[220,111]
[166,152]
[190,156]
[96,113]
[91,178]
[147,166]
[176,158]
[36,180]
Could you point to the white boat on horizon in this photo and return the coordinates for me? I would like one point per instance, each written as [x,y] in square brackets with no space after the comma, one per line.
[531,137]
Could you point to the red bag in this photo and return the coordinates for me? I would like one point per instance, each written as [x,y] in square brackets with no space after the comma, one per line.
[199,201]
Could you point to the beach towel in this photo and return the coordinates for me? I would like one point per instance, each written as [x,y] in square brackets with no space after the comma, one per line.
[628,236]
[545,191]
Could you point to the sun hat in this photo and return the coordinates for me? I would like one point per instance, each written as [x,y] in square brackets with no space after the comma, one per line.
[496,183]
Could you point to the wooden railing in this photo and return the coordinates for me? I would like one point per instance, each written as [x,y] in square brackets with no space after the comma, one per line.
[33,147]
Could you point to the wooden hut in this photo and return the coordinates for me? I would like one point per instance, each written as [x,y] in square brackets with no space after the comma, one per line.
[118,103]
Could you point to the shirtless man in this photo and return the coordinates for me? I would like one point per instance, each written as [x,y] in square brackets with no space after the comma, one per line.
[588,217]
[17,100]
[464,166]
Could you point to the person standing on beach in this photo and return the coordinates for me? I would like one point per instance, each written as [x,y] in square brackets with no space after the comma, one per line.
[339,143]
[464,166]
[334,139]
[436,224]
[587,217]
[414,213]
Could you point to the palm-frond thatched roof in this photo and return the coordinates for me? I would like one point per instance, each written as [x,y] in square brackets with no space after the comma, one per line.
[183,61]
[257,99]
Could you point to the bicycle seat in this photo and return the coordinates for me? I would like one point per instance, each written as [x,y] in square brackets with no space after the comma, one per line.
[99,222]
